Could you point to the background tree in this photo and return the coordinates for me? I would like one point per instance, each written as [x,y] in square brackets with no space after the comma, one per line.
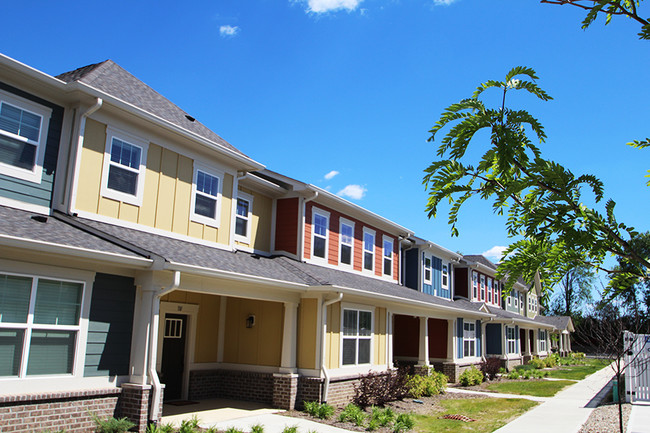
[573,292]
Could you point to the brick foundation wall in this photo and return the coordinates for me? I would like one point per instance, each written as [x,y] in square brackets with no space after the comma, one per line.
[451,370]
[509,364]
[69,411]
[285,390]
[238,385]
[134,404]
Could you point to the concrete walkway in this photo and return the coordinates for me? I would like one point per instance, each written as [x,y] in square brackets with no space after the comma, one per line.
[639,421]
[567,410]
[497,394]
[274,423]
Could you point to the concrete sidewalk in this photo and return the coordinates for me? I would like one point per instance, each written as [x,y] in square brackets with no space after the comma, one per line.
[567,410]
[274,423]
[639,421]
[497,394]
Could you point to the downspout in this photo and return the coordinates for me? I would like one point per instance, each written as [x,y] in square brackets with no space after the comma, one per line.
[75,157]
[301,235]
[326,384]
[153,344]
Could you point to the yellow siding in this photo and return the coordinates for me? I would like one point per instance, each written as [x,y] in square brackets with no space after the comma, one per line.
[307,333]
[259,345]
[167,193]
[261,223]
[380,336]
[333,335]
[92,160]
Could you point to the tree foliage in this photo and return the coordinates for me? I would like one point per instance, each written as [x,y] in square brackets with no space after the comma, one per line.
[573,291]
[544,201]
[634,290]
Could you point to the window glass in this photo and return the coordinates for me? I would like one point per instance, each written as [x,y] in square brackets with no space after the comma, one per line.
[365,323]
[241,222]
[475,284]
[11,347]
[14,298]
[427,269]
[350,322]
[364,351]
[51,352]
[489,289]
[388,257]
[124,169]
[349,351]
[357,335]
[57,303]
[368,251]
[207,191]
[320,235]
[445,275]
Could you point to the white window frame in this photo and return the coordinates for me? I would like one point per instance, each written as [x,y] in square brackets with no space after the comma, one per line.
[391,241]
[322,213]
[475,286]
[469,336]
[490,290]
[202,219]
[426,269]
[515,296]
[248,218]
[35,175]
[509,301]
[367,231]
[342,222]
[542,340]
[79,329]
[357,337]
[511,341]
[444,274]
[482,288]
[522,303]
[114,133]
[497,293]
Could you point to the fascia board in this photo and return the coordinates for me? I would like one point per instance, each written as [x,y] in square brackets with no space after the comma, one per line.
[86,253]
[396,299]
[431,246]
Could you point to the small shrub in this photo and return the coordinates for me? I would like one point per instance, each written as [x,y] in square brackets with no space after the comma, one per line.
[325,411]
[311,407]
[471,377]
[352,413]
[490,367]
[404,422]
[211,430]
[503,370]
[233,430]
[513,375]
[426,386]
[112,425]
[373,425]
[382,417]
[290,429]
[189,425]
[537,363]
[257,428]
[381,388]
[524,367]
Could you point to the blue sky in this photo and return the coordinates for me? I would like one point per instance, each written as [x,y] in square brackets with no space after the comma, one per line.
[350,88]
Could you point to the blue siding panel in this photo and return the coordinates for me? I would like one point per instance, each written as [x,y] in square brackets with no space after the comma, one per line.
[428,289]
[436,275]
[493,339]
[411,268]
[460,337]
[479,339]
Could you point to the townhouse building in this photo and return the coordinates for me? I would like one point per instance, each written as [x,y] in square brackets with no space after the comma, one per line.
[145,259]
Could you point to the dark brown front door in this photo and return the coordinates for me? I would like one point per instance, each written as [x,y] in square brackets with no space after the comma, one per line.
[173,355]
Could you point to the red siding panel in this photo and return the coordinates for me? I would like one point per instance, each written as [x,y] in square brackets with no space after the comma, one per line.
[286,225]
[438,329]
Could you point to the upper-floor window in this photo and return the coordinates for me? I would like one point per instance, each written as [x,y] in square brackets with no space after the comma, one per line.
[497,293]
[509,302]
[482,288]
[522,305]
[320,224]
[357,337]
[206,196]
[388,256]
[489,290]
[475,285]
[39,325]
[23,133]
[515,296]
[445,276]
[346,242]
[243,217]
[469,338]
[123,171]
[368,249]
[427,270]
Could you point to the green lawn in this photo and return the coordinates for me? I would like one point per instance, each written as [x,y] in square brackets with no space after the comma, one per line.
[490,414]
[538,388]
[579,372]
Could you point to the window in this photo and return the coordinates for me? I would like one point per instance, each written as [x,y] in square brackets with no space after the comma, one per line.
[469,338]
[511,339]
[497,293]
[346,242]
[243,217]
[522,305]
[509,300]
[475,284]
[123,175]
[482,288]
[427,270]
[320,228]
[445,276]
[515,297]
[357,337]
[206,200]
[23,133]
[39,325]
[388,256]
[489,290]
[368,250]
[542,340]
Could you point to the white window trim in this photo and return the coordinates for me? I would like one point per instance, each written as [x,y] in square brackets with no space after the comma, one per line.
[316,211]
[35,175]
[371,337]
[442,275]
[482,288]
[471,340]
[475,285]
[80,329]
[366,230]
[202,219]
[136,200]
[383,256]
[429,268]
[542,341]
[513,340]
[347,222]
[489,290]
[249,218]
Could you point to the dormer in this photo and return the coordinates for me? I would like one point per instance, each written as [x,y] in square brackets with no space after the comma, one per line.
[429,268]
[476,281]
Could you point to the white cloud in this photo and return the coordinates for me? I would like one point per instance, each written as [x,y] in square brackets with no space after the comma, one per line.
[443,2]
[495,253]
[355,192]
[324,6]
[331,174]
[228,30]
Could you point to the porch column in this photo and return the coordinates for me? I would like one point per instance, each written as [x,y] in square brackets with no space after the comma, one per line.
[423,358]
[290,330]
[141,325]
[504,341]
[221,333]
[451,341]
[389,339]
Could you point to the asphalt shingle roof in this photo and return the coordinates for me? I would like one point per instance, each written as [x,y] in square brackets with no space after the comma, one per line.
[481,259]
[114,80]
[36,227]
[560,322]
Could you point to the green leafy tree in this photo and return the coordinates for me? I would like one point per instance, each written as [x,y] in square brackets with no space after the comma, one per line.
[635,290]
[573,291]
[554,230]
